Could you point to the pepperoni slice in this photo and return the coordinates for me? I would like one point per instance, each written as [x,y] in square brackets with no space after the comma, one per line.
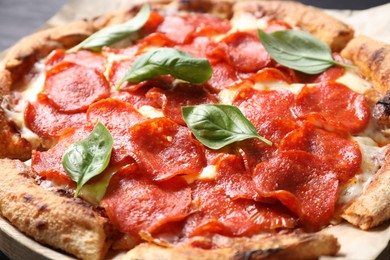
[199,47]
[134,203]
[277,25]
[84,58]
[303,183]
[343,155]
[224,76]
[72,88]
[164,149]
[218,213]
[192,26]
[47,122]
[118,117]
[233,177]
[135,98]
[243,50]
[262,106]
[272,74]
[337,103]
[48,164]
[182,95]
[255,151]
[118,71]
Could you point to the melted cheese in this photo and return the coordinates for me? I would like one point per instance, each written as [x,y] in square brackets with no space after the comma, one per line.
[209,173]
[353,81]
[150,112]
[28,94]
[372,158]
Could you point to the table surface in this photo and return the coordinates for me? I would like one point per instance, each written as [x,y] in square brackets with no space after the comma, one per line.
[19,18]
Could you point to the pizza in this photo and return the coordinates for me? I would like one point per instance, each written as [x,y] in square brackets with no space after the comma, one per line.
[196,130]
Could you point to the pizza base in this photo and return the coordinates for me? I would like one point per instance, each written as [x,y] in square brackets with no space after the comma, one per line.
[77,239]
[283,246]
[50,218]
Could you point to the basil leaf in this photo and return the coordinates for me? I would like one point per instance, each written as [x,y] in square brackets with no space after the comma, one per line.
[93,192]
[164,61]
[298,50]
[216,126]
[115,33]
[88,157]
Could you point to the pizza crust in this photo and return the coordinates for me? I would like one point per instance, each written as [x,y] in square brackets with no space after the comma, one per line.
[373,59]
[287,246]
[66,234]
[372,208]
[58,221]
[330,30]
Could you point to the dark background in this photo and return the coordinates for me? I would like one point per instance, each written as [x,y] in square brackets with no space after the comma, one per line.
[19,18]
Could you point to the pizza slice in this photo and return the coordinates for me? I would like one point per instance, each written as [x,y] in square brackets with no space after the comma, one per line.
[177,132]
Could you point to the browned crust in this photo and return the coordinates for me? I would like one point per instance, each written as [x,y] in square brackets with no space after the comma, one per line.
[60,222]
[288,246]
[22,57]
[327,28]
[372,208]
[373,59]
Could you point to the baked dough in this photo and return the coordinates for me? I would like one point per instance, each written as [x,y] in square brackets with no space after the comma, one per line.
[71,225]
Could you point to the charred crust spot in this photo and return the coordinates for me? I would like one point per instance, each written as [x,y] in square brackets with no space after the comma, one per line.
[381,111]
[42,207]
[28,198]
[378,55]
[256,254]
[41,225]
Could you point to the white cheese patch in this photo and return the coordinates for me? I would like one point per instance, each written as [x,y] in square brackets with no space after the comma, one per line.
[247,22]
[372,158]
[150,112]
[209,173]
[28,94]
[354,81]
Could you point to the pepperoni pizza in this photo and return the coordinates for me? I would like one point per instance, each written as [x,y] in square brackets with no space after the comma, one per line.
[196,130]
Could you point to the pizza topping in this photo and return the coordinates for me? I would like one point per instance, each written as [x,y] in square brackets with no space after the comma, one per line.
[243,50]
[88,157]
[84,58]
[298,50]
[262,106]
[336,103]
[48,164]
[171,61]
[72,88]
[303,183]
[164,149]
[219,125]
[192,26]
[220,214]
[135,203]
[171,100]
[233,177]
[47,122]
[118,117]
[342,155]
[112,34]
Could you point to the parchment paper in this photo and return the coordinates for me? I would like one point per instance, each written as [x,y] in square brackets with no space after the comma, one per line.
[374,22]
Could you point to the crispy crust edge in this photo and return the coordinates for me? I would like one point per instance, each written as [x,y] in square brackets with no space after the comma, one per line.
[21,58]
[313,20]
[61,222]
[282,246]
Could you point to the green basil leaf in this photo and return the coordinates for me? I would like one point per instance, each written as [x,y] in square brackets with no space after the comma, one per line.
[88,157]
[298,50]
[115,33]
[94,191]
[218,125]
[164,61]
